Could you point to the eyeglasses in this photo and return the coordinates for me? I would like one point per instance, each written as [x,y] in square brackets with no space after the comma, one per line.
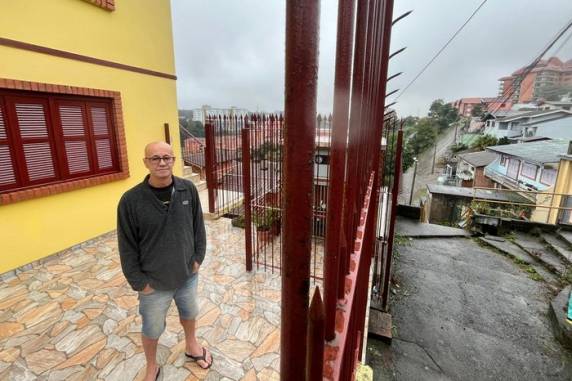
[156,160]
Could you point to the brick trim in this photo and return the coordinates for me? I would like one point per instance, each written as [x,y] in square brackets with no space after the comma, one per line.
[65,186]
[80,57]
[108,5]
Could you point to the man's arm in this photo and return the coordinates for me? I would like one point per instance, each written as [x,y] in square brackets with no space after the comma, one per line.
[129,248]
[199,225]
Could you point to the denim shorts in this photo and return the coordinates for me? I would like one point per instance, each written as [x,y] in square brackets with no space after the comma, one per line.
[153,307]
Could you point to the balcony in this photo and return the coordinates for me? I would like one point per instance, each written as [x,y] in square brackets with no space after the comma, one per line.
[510,183]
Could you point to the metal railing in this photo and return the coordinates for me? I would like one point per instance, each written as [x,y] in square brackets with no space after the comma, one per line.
[520,210]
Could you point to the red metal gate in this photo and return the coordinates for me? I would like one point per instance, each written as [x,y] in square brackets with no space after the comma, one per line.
[248,183]
[223,167]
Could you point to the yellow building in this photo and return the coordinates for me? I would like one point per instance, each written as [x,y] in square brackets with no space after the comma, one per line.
[84,85]
[563,190]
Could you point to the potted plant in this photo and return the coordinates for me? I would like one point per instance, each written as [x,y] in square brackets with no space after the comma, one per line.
[267,224]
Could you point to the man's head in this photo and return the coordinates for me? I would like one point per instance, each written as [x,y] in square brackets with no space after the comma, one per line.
[159,160]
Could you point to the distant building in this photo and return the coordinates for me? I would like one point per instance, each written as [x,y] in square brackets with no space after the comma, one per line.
[465,106]
[541,82]
[200,114]
[563,190]
[531,168]
[447,204]
[554,124]
[471,169]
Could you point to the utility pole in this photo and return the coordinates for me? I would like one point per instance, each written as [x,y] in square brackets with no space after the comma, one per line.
[413,180]
[434,155]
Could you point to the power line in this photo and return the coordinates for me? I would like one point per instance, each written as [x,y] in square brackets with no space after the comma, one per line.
[532,65]
[442,49]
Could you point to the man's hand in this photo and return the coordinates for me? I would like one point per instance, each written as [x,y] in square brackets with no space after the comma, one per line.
[147,290]
[196,267]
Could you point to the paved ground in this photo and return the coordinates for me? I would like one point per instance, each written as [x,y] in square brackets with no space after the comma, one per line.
[424,165]
[464,312]
[410,228]
[75,318]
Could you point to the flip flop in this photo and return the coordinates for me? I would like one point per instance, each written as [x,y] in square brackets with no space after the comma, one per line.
[158,373]
[199,358]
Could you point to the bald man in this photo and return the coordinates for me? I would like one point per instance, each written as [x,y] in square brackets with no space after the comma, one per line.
[162,244]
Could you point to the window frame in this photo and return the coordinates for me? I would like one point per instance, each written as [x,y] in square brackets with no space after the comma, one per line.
[525,164]
[55,95]
[544,170]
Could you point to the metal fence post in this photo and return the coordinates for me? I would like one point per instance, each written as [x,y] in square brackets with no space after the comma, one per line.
[210,163]
[247,193]
[338,161]
[393,218]
[302,26]
[315,357]
[167,133]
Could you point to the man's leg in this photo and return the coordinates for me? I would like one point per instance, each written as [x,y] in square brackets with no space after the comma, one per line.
[150,349]
[192,346]
[186,300]
[153,309]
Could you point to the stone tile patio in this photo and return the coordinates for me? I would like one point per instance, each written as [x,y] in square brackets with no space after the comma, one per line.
[74,317]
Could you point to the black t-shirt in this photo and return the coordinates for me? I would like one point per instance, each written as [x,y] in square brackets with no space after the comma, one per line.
[163,194]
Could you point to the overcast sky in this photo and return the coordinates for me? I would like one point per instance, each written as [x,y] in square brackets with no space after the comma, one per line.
[231,53]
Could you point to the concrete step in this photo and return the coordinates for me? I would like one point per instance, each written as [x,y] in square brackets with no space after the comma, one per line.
[187,171]
[516,253]
[558,313]
[537,248]
[566,237]
[559,247]
[201,185]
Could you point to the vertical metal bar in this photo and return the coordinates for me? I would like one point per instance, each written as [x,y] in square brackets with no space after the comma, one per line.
[350,202]
[315,356]
[210,163]
[167,133]
[335,206]
[247,193]
[393,217]
[302,25]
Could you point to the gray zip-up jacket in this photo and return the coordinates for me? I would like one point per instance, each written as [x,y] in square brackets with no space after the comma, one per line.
[158,244]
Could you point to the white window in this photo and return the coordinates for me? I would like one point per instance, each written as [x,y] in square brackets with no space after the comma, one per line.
[548,176]
[529,171]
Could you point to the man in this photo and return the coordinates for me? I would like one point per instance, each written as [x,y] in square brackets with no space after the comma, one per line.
[162,243]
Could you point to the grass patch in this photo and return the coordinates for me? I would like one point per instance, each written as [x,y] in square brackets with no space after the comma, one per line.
[401,240]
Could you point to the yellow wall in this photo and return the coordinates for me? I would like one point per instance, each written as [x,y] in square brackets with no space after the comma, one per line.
[134,35]
[563,186]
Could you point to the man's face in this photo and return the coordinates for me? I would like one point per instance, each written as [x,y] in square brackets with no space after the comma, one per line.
[159,160]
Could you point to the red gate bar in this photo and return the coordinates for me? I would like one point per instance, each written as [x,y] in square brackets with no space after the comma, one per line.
[247,193]
[350,201]
[210,162]
[315,357]
[335,208]
[302,24]
[393,218]
[385,14]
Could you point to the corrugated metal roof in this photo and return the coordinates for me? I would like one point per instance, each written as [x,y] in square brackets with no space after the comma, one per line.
[483,194]
[478,159]
[546,151]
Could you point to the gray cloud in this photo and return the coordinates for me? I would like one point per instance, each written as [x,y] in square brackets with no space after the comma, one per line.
[232,52]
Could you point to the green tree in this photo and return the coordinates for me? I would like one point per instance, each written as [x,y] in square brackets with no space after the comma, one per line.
[423,136]
[484,141]
[503,141]
[443,113]
[477,111]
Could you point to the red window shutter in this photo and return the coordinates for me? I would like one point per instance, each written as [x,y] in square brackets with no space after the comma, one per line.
[33,128]
[72,121]
[7,172]
[102,136]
